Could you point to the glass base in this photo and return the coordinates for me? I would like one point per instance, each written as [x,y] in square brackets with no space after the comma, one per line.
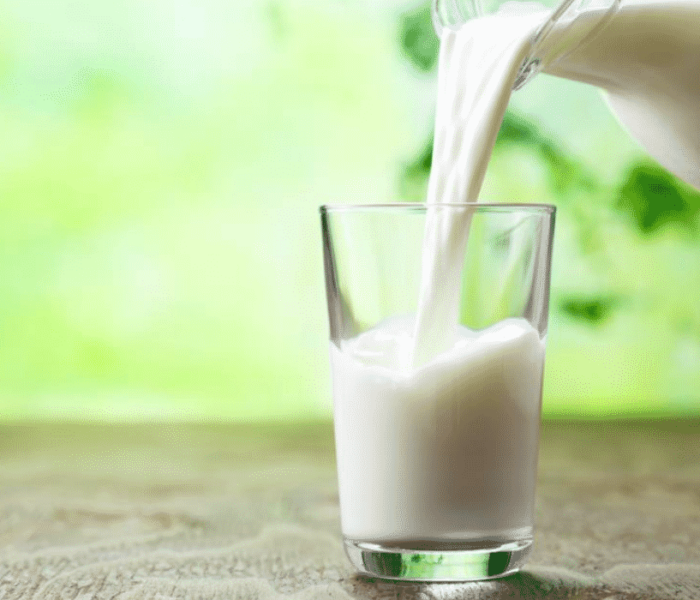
[443,562]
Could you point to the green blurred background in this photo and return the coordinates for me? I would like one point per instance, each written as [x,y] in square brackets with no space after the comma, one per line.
[161,166]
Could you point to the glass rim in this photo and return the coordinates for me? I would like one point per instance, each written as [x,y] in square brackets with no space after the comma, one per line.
[510,206]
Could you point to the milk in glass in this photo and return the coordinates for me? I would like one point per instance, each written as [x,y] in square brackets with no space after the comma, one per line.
[437,425]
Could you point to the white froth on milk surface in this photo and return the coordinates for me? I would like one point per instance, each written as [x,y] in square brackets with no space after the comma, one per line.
[436,425]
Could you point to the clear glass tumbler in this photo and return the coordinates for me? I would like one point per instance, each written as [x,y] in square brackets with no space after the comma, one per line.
[437,462]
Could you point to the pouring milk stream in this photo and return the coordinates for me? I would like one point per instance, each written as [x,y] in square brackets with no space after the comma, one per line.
[646,56]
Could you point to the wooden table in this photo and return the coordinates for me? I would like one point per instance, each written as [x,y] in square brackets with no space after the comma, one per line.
[236,512]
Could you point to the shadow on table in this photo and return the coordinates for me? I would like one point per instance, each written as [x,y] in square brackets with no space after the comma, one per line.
[552,584]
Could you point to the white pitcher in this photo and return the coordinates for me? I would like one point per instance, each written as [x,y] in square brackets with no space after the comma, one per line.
[452,13]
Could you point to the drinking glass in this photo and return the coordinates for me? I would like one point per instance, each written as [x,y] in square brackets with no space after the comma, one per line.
[437,460]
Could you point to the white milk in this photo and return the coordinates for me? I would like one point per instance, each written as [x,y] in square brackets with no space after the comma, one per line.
[438,441]
[645,57]
[477,67]
[446,452]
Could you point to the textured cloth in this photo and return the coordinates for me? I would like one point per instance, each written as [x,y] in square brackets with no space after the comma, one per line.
[251,512]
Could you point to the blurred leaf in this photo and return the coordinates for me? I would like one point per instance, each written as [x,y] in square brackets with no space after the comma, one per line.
[593,311]
[654,197]
[414,178]
[276,19]
[101,95]
[419,41]
[565,171]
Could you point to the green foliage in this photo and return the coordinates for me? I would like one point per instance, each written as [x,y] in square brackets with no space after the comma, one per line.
[652,197]
[159,179]
[414,176]
[159,184]
[565,172]
[593,311]
[419,42]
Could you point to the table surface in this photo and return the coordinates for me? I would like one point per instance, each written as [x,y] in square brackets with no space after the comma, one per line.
[251,511]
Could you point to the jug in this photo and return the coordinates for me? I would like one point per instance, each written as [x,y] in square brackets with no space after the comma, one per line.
[452,13]
[643,54]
